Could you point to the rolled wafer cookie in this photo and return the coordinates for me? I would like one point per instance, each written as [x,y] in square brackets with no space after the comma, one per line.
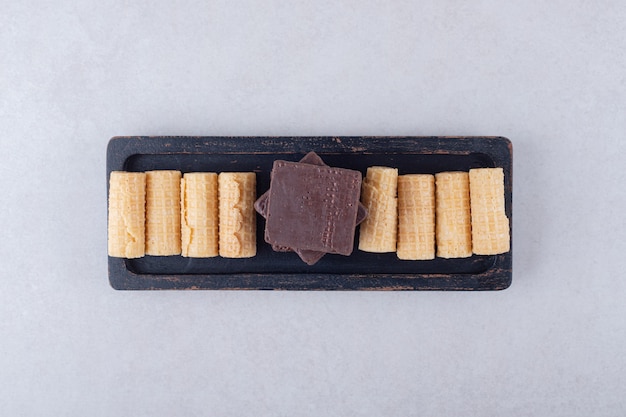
[237,219]
[198,215]
[127,203]
[163,213]
[378,232]
[452,217]
[490,226]
[416,217]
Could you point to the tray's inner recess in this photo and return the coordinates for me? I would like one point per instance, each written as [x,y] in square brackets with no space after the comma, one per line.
[268,261]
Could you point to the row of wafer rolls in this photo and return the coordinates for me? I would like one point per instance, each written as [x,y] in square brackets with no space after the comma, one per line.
[448,215]
[165,213]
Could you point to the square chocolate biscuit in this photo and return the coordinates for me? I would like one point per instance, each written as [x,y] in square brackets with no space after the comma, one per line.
[312,207]
[308,256]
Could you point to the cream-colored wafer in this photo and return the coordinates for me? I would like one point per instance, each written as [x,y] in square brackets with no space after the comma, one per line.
[127,204]
[416,217]
[198,215]
[379,230]
[452,217]
[490,226]
[237,219]
[163,213]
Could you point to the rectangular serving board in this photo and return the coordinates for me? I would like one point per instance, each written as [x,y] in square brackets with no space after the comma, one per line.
[270,270]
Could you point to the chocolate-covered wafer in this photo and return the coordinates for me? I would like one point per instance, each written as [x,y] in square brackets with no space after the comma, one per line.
[312,207]
[308,256]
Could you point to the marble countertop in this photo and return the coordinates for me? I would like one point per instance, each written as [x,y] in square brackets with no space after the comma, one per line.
[547,75]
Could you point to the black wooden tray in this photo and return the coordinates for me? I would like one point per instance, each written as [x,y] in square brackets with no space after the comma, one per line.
[285,271]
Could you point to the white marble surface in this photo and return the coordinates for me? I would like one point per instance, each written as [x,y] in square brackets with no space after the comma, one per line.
[549,75]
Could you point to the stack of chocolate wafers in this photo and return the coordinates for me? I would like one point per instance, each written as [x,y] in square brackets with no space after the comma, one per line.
[311,208]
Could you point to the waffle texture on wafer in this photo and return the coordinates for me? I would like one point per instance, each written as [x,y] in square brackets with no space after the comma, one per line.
[199,215]
[490,226]
[416,217]
[452,217]
[163,213]
[126,226]
[237,219]
[378,233]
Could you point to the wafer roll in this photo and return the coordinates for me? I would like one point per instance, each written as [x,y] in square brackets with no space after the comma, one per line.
[416,217]
[198,215]
[127,204]
[453,223]
[378,232]
[163,213]
[237,220]
[490,226]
